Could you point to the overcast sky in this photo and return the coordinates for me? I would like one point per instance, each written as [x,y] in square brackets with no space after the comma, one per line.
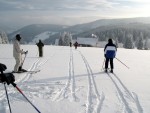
[69,12]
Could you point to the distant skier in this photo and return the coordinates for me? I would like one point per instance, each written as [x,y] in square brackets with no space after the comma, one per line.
[17,54]
[40,48]
[76,45]
[70,44]
[110,53]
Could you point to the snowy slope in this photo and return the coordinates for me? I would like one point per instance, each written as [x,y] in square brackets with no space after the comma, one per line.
[43,36]
[72,81]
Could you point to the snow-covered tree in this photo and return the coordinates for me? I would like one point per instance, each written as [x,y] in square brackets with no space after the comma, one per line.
[3,38]
[129,42]
[60,42]
[146,43]
[140,43]
[65,39]
[116,42]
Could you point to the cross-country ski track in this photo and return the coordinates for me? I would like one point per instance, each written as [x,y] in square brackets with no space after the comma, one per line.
[74,86]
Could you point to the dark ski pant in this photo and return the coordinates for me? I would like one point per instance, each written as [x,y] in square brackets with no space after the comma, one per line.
[40,52]
[75,47]
[111,63]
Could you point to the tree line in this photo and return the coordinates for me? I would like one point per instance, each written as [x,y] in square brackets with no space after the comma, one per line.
[130,35]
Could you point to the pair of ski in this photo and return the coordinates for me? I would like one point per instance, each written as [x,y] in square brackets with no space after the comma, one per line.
[25,71]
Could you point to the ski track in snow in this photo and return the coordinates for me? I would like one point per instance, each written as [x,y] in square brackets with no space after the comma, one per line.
[30,89]
[68,91]
[128,100]
[35,67]
[94,99]
[13,95]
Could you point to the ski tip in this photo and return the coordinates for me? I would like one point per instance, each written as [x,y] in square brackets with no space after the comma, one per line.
[16,72]
[26,71]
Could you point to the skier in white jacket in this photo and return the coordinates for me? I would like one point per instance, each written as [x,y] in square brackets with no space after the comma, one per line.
[17,53]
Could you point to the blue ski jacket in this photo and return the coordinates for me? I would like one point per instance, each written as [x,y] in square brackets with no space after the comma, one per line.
[110,50]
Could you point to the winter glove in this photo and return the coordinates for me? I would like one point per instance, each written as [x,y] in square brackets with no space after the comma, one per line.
[26,52]
[105,55]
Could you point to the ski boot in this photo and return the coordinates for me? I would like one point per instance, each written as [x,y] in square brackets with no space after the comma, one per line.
[111,70]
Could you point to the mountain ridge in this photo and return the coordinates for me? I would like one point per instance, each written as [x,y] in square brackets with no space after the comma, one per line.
[31,31]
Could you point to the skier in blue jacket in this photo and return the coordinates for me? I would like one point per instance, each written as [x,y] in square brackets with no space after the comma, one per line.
[110,53]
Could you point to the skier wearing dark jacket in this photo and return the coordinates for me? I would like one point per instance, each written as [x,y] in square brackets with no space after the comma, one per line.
[76,45]
[110,53]
[40,47]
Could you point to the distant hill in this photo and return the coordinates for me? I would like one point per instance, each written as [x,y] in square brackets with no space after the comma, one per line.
[105,22]
[113,28]
[113,31]
[30,32]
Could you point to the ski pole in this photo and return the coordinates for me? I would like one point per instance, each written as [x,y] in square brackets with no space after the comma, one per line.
[25,97]
[103,64]
[7,98]
[122,62]
[23,60]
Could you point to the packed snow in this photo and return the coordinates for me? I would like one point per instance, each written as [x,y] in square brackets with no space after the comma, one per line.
[73,81]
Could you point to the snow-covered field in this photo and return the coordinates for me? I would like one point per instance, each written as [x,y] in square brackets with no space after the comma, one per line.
[72,81]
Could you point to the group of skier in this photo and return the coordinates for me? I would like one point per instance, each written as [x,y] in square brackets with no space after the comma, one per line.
[75,44]
[109,53]
[17,53]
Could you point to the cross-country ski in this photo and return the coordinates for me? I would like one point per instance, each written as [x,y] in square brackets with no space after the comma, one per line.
[26,71]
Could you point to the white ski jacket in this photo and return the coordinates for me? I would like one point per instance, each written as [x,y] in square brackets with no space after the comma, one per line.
[16,50]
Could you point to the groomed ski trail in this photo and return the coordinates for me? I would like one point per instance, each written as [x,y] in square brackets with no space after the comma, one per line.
[129,101]
[35,67]
[68,91]
[93,105]
[24,77]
